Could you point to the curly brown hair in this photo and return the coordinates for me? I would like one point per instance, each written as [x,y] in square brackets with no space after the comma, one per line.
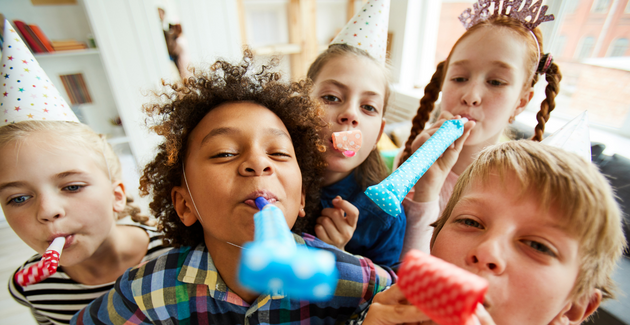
[183,105]
[434,87]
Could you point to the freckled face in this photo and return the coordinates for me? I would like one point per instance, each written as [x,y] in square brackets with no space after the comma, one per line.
[484,82]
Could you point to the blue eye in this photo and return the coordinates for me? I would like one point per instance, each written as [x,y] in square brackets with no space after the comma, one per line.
[19,199]
[73,188]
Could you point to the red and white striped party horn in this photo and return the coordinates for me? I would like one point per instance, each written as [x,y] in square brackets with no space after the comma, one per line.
[46,267]
[443,291]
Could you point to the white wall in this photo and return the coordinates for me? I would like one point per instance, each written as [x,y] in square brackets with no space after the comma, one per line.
[57,22]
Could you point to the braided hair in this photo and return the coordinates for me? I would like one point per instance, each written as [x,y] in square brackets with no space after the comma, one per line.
[536,60]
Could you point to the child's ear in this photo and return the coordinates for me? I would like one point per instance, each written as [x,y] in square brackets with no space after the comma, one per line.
[577,311]
[183,205]
[120,196]
[302,213]
[526,97]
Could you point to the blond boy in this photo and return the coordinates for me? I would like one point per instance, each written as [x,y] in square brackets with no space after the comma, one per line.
[540,224]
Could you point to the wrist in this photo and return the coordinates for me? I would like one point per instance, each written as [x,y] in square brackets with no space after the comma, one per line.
[426,195]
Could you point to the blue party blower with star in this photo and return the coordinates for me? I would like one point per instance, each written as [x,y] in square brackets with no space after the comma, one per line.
[389,193]
[274,263]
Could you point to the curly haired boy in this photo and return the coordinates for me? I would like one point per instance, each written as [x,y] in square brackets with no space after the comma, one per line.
[231,134]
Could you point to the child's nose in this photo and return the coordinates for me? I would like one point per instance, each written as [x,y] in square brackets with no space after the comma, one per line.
[256,165]
[50,209]
[472,95]
[487,256]
[349,115]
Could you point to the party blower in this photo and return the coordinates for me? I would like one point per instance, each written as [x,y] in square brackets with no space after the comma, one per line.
[389,193]
[441,290]
[274,263]
[46,267]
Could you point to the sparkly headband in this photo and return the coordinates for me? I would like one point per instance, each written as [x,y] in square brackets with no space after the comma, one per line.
[530,15]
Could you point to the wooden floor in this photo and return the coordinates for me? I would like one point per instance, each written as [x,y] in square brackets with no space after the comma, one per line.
[13,252]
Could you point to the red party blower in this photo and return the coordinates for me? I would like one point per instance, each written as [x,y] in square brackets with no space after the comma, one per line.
[441,290]
[46,267]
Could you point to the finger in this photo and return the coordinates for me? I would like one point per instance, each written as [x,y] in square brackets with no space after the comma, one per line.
[483,316]
[391,296]
[422,138]
[336,216]
[351,211]
[320,232]
[459,143]
[445,115]
[333,232]
[393,314]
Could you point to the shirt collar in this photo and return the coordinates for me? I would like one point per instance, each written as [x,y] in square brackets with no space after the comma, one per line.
[198,268]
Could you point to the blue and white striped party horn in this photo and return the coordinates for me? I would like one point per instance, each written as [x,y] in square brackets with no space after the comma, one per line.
[389,193]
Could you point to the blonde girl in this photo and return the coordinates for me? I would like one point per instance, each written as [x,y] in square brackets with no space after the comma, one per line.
[60,179]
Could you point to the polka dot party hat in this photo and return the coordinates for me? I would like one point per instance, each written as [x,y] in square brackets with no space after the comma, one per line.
[27,92]
[367,30]
[573,137]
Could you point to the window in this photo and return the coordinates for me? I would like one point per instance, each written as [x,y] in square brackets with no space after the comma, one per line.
[558,46]
[591,81]
[618,47]
[586,48]
[572,6]
[600,6]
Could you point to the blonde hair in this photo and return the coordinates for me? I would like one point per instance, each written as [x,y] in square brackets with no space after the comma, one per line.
[571,185]
[535,52]
[79,136]
[372,170]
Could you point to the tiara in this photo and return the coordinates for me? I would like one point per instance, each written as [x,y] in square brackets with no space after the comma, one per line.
[530,15]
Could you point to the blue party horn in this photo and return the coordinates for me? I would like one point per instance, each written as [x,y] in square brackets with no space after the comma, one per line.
[275,264]
[389,193]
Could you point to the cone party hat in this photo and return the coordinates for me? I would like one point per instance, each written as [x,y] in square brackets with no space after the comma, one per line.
[27,92]
[573,137]
[367,30]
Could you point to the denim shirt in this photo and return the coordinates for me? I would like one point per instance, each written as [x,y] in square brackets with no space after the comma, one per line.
[378,236]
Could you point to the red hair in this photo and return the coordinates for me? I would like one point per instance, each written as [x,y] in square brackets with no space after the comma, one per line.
[552,75]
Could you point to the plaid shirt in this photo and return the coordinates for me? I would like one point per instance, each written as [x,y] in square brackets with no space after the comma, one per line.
[184,287]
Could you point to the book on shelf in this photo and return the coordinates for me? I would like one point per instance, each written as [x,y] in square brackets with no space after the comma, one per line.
[29,37]
[42,37]
[76,88]
[65,45]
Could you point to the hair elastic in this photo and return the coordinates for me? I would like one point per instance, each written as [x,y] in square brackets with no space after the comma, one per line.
[545,63]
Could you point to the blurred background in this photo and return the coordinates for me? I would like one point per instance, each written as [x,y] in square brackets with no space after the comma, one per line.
[119,50]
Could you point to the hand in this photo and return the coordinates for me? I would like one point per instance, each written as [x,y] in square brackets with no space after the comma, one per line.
[428,187]
[391,307]
[333,227]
